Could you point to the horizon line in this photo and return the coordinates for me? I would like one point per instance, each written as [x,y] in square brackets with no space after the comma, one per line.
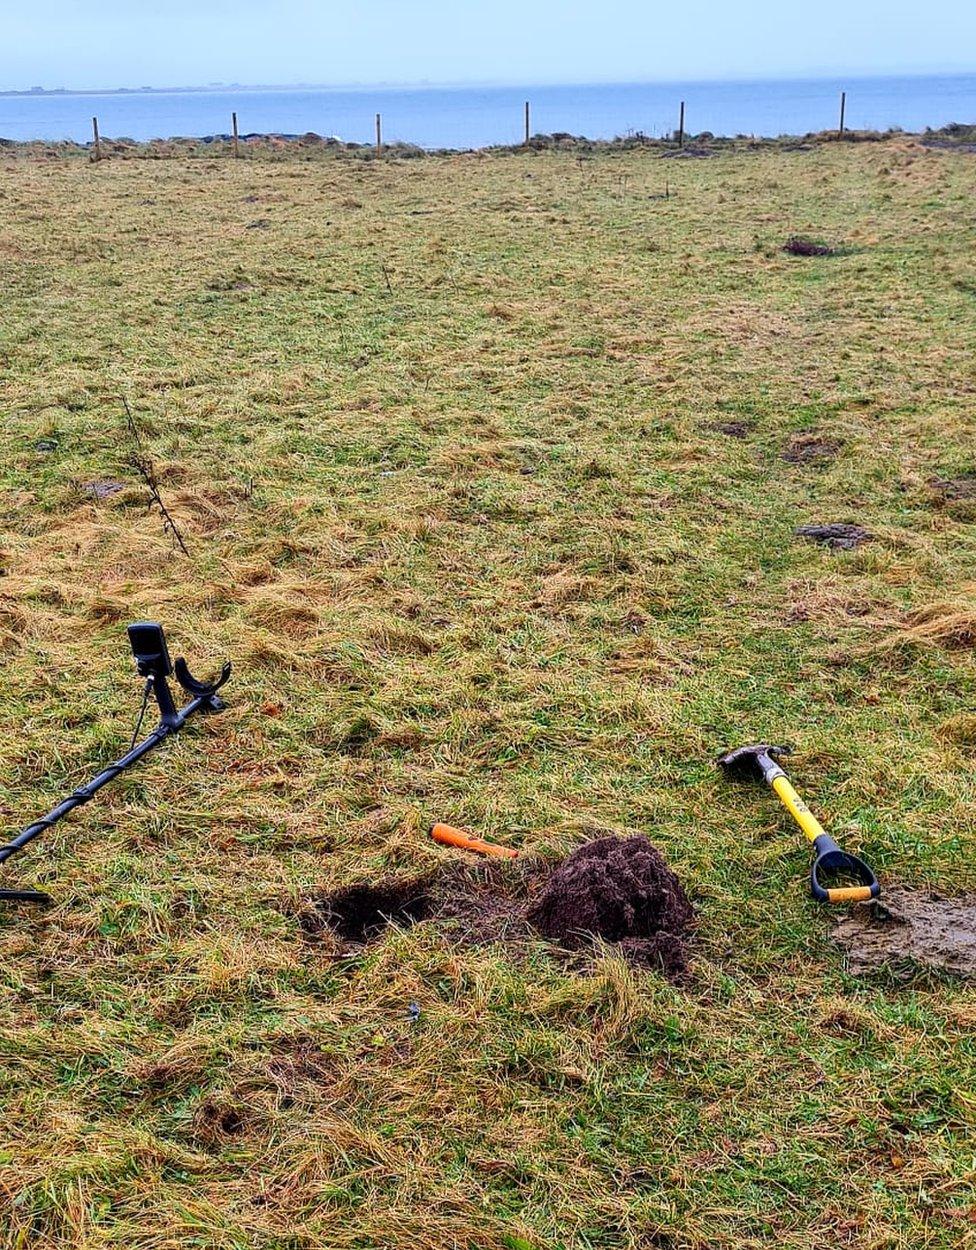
[452,85]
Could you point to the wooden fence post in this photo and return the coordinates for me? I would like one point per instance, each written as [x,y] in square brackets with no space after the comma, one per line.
[98,140]
[379,135]
[527,123]
[843,109]
[237,145]
[681,126]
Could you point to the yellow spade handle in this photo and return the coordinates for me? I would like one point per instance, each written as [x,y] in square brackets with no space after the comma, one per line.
[797,808]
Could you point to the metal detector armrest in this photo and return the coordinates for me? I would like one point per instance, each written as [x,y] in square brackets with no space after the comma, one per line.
[200,689]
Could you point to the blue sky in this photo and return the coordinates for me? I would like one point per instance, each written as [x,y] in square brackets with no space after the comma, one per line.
[189,42]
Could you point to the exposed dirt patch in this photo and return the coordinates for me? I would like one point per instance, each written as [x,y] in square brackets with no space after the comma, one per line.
[799,245]
[622,890]
[911,930]
[733,429]
[216,1119]
[357,913]
[811,449]
[957,495]
[617,889]
[836,534]
[961,487]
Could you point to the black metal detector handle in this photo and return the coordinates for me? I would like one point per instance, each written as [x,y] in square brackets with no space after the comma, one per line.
[829,859]
[155,667]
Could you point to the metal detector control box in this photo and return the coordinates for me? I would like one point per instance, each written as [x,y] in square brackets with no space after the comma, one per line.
[149,649]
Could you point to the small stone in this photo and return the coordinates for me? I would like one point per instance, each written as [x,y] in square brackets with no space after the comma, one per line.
[102,490]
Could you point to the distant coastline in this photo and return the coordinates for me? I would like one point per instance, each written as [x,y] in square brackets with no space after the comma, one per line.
[219,88]
[209,89]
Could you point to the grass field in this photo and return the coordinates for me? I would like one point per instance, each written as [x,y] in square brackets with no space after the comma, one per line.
[488,469]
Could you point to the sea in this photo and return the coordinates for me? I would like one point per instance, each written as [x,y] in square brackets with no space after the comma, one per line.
[474,117]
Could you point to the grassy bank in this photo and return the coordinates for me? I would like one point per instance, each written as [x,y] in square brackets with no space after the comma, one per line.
[488,469]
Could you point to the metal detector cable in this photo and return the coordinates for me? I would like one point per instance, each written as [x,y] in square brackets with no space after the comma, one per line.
[147,691]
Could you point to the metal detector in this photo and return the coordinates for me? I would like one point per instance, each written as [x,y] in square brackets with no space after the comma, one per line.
[151,655]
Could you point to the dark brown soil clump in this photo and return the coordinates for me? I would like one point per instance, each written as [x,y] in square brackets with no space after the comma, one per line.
[836,535]
[909,931]
[798,245]
[621,890]
[811,449]
[102,490]
[956,495]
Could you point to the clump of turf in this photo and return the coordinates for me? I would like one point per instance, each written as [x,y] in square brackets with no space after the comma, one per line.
[799,245]
[621,890]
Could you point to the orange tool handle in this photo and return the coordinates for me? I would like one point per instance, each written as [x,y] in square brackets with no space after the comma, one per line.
[450,836]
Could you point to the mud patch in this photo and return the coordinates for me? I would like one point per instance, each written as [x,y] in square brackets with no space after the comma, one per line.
[357,913]
[836,535]
[799,245]
[621,890]
[909,931]
[811,449]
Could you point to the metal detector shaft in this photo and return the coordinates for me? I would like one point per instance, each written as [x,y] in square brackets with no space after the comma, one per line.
[91,788]
[171,720]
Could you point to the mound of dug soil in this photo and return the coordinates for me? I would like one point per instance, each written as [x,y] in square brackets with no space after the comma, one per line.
[811,449]
[621,890]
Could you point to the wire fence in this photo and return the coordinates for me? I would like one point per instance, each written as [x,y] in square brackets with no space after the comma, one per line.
[678,135]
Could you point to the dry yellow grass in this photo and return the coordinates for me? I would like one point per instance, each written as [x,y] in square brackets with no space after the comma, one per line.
[444,440]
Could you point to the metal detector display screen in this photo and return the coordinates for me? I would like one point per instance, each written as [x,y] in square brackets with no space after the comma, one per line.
[148,644]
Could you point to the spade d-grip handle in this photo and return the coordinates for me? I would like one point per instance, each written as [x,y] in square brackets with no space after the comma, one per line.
[829,858]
